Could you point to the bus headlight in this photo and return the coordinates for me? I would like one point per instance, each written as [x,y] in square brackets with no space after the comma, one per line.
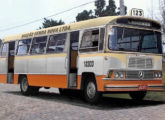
[115,74]
[119,74]
[122,75]
[160,75]
[157,74]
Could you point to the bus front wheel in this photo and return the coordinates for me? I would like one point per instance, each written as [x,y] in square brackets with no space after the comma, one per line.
[91,94]
[139,95]
[26,89]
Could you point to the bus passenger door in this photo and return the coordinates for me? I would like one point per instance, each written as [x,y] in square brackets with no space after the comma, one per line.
[4,63]
[10,63]
[72,59]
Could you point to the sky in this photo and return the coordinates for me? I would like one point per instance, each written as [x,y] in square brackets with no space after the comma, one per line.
[18,12]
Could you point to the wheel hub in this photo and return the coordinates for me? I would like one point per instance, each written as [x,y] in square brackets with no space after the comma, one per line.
[24,85]
[91,90]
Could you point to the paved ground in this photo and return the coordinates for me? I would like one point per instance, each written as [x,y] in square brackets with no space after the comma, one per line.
[52,106]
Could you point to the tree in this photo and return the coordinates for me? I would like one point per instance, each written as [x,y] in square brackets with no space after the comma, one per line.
[85,15]
[100,5]
[100,11]
[111,8]
[49,23]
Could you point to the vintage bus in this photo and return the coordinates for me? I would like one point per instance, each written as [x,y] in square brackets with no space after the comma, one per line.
[102,55]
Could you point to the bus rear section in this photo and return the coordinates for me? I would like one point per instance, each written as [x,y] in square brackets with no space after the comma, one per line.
[7,62]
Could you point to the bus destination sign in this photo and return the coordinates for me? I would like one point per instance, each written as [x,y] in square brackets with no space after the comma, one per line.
[137,12]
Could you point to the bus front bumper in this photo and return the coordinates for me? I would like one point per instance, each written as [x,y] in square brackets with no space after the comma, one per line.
[133,85]
[134,88]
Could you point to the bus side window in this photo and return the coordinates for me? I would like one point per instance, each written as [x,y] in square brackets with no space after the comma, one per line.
[4,50]
[23,47]
[39,45]
[89,41]
[56,43]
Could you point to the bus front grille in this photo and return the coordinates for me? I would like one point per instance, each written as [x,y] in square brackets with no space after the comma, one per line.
[139,75]
[140,63]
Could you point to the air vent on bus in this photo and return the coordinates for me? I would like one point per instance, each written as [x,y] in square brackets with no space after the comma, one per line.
[140,62]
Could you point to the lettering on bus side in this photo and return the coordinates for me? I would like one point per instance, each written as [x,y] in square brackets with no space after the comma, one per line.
[61,29]
[88,63]
[27,35]
[40,32]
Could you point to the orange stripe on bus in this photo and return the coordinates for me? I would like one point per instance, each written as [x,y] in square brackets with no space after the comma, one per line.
[58,81]
[3,78]
[15,79]
[78,81]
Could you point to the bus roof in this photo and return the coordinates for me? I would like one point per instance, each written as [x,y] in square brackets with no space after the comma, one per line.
[70,27]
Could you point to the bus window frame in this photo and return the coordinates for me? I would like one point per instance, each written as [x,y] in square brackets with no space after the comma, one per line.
[64,43]
[126,26]
[2,49]
[32,45]
[104,40]
[17,45]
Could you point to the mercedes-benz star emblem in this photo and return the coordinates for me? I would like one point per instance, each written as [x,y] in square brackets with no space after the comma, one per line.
[141,74]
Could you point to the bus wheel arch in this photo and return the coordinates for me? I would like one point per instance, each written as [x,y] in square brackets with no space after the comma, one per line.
[84,76]
[89,88]
[25,88]
[20,77]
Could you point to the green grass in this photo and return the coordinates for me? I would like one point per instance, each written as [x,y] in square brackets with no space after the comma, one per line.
[155,96]
[125,96]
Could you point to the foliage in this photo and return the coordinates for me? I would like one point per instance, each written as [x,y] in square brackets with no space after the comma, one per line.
[101,10]
[85,15]
[100,5]
[111,8]
[50,22]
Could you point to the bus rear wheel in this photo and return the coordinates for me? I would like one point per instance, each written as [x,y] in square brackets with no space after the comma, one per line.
[26,89]
[63,91]
[91,94]
[139,95]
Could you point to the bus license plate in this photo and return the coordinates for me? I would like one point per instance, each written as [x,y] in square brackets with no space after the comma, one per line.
[143,87]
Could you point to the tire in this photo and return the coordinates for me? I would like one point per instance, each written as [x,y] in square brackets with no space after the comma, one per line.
[63,91]
[26,89]
[91,95]
[138,95]
[35,91]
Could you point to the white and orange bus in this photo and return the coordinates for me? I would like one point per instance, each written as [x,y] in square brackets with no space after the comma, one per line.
[102,55]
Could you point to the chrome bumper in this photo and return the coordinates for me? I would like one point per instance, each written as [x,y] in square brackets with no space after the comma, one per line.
[133,87]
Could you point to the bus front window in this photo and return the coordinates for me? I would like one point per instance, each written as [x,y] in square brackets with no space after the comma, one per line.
[135,40]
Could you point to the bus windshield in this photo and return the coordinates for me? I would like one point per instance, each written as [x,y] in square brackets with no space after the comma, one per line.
[135,40]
